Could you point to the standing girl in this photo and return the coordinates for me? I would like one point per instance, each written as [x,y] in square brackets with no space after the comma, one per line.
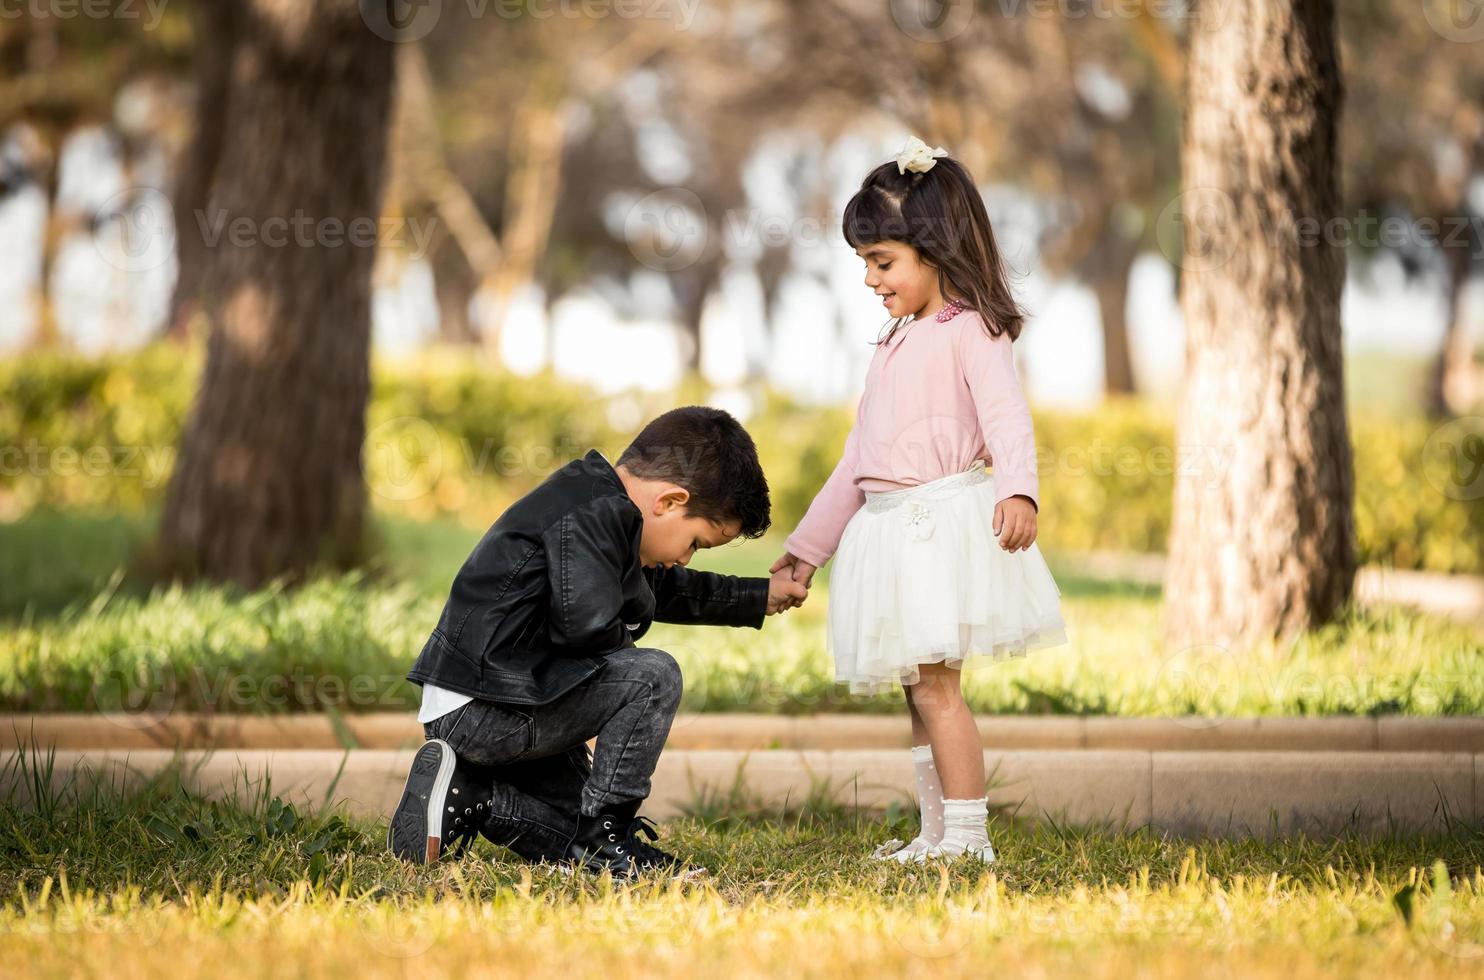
[936,563]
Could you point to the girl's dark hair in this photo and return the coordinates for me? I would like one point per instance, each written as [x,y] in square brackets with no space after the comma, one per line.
[941,214]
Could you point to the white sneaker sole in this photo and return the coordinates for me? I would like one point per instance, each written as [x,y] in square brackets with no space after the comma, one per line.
[415,832]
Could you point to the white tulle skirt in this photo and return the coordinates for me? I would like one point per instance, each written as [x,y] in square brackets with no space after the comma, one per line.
[920,578]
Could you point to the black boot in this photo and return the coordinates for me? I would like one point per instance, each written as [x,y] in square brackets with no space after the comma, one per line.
[443,803]
[610,842]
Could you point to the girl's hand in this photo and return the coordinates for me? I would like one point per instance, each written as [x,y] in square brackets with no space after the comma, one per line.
[802,570]
[1015,523]
[799,570]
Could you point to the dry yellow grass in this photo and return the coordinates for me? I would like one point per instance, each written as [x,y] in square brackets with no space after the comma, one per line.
[541,924]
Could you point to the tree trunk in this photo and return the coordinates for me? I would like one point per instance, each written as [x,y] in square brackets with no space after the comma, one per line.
[1262,537]
[216,26]
[269,476]
[58,225]
[694,288]
[530,202]
[1456,381]
[462,240]
[1109,269]
[454,283]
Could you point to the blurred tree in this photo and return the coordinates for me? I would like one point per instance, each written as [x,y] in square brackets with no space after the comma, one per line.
[1414,139]
[1014,96]
[268,481]
[483,145]
[1262,540]
[1097,133]
[799,81]
[1080,111]
[61,70]
[216,31]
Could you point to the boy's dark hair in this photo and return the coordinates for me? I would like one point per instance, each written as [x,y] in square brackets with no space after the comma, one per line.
[706,451]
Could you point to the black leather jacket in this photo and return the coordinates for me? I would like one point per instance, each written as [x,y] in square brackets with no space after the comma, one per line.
[556,583]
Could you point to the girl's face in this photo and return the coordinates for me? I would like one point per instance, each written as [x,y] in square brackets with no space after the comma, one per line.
[906,285]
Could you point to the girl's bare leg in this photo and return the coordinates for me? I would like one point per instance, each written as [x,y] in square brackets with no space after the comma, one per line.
[938,705]
[919,730]
[959,757]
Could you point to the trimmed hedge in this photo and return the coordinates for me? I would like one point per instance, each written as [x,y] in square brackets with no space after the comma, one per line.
[445,438]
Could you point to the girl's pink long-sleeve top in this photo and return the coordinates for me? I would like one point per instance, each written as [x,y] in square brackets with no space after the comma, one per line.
[937,397]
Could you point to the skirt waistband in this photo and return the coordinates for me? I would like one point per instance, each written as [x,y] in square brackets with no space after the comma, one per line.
[946,486]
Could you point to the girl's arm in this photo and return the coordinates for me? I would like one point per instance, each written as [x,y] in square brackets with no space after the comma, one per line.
[1004,417]
[818,534]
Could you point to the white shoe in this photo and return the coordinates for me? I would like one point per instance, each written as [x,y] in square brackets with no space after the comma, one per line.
[895,850]
[950,850]
[905,856]
[919,850]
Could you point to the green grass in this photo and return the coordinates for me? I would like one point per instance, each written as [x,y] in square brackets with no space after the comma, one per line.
[155,880]
[151,880]
[347,641]
[50,559]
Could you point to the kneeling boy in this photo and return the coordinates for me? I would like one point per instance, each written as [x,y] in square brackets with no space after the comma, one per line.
[535,652]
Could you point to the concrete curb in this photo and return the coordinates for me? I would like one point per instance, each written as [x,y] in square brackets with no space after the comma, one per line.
[1228,794]
[394,730]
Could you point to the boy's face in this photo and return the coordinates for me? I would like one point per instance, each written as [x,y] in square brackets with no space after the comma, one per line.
[672,536]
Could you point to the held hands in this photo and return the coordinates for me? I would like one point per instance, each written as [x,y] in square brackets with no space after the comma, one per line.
[784,592]
[1015,523]
[789,584]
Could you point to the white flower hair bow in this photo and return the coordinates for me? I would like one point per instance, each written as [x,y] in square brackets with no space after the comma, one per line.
[918,156]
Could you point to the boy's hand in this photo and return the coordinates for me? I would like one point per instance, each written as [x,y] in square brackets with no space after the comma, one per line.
[784,592]
[1015,523]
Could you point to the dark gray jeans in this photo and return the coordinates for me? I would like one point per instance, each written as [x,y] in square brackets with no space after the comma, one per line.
[538,758]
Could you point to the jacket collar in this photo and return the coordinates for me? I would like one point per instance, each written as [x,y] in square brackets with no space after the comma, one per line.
[597,465]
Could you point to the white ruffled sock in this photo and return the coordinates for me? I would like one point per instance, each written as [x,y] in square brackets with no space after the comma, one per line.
[965,830]
[929,804]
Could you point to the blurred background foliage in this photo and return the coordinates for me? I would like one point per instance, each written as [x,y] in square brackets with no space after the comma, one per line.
[448,440]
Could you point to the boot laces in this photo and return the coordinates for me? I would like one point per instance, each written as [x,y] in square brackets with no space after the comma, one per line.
[644,852]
